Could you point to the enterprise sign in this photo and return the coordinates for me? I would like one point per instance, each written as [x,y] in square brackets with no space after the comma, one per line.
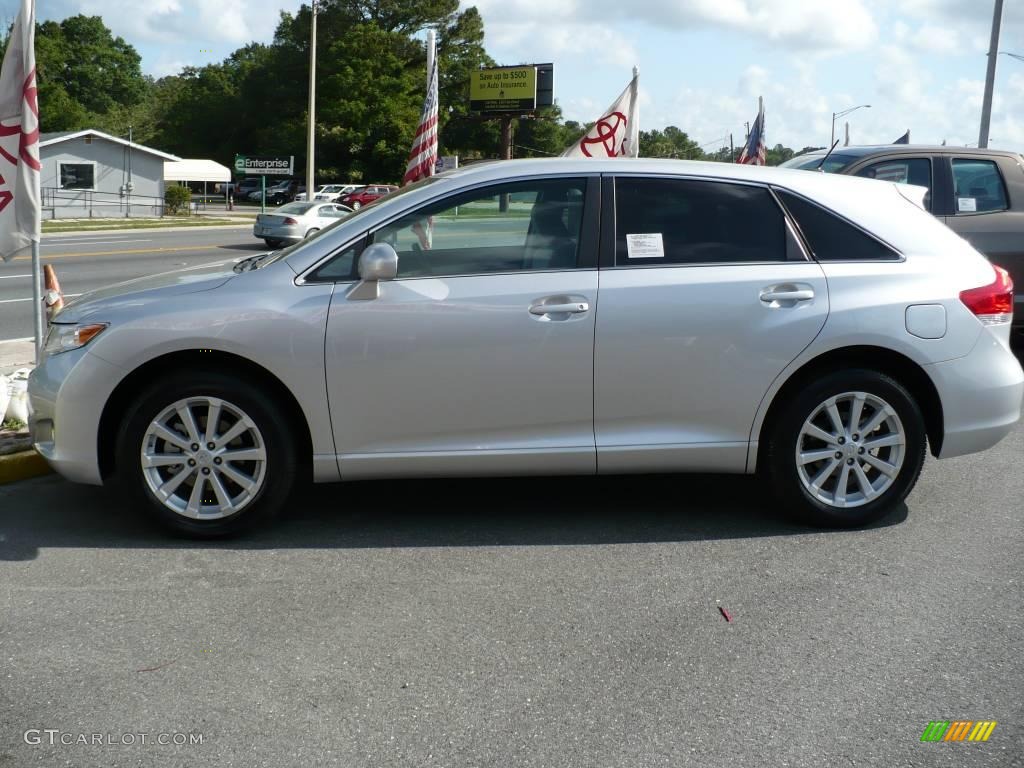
[264,166]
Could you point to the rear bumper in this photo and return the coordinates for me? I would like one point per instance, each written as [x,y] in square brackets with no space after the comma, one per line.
[981,395]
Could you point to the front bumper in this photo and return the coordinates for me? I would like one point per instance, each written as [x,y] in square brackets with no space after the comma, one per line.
[981,395]
[67,393]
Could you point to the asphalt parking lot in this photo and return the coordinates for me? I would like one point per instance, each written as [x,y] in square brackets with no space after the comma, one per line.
[550,622]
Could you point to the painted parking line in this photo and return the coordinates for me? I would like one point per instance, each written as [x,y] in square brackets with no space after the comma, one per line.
[89,242]
[13,301]
[212,247]
[12,277]
[17,341]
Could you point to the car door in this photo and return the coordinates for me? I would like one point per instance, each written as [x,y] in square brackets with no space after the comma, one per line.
[478,358]
[706,296]
[988,212]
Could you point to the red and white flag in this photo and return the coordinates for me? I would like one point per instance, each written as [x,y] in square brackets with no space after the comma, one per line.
[617,132]
[423,156]
[19,138]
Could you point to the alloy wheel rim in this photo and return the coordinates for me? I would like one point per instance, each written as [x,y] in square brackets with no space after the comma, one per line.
[204,458]
[850,450]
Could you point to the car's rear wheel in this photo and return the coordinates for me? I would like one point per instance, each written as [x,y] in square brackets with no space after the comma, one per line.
[272,242]
[846,449]
[356,205]
[312,231]
[206,454]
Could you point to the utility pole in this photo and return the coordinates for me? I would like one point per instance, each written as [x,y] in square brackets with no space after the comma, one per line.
[990,75]
[732,150]
[311,137]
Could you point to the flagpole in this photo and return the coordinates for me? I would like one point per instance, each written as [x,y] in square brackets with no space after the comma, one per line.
[37,300]
[311,127]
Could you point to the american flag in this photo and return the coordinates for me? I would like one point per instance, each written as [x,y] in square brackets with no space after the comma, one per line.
[755,153]
[423,156]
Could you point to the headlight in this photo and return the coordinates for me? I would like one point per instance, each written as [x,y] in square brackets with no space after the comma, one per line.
[64,338]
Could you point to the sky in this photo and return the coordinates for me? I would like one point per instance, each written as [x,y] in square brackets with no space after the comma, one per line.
[920,64]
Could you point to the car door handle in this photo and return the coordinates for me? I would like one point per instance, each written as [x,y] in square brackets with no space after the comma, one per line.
[800,294]
[574,308]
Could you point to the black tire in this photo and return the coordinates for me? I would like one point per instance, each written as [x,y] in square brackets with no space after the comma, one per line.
[312,231]
[782,466]
[271,242]
[280,468]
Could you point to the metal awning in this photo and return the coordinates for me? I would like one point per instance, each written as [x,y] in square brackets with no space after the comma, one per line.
[195,170]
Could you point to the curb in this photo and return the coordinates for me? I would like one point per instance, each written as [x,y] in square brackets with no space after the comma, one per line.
[22,466]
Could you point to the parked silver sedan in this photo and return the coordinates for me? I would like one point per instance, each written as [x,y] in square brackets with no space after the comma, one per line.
[295,221]
[548,317]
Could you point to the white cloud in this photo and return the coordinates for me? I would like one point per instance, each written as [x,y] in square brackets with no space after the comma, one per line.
[796,23]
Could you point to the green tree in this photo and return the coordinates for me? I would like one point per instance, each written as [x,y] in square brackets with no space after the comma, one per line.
[671,142]
[85,74]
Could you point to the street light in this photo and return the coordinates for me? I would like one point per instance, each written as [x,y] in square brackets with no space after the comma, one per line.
[1012,55]
[840,114]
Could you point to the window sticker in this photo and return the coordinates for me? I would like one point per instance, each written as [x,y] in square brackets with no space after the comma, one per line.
[646,246]
[966,204]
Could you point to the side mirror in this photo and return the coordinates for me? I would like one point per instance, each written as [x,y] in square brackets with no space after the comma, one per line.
[378,262]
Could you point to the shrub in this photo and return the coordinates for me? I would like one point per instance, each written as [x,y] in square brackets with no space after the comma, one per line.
[177,200]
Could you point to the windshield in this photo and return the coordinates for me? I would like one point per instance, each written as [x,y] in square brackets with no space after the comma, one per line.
[835,163]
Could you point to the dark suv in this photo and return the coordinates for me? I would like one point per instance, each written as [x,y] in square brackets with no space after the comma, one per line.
[979,193]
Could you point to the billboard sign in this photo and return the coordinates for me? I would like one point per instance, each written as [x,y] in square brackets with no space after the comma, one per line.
[246,165]
[503,89]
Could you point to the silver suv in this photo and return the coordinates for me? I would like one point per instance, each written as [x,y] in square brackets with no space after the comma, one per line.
[549,317]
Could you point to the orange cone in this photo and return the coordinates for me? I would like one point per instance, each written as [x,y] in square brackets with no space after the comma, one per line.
[53,298]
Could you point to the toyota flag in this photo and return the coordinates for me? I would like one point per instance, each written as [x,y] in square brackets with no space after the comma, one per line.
[19,138]
[617,131]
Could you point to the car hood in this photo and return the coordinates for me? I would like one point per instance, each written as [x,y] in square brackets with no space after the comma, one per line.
[176,283]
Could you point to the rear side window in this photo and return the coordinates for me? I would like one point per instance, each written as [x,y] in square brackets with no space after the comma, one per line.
[904,170]
[978,187]
[829,237]
[675,221]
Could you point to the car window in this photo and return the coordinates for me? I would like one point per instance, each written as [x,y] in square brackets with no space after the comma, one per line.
[341,267]
[833,164]
[331,212]
[298,209]
[904,170]
[978,187]
[530,225]
[676,221]
[829,237]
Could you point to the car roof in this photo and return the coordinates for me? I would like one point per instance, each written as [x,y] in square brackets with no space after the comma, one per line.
[932,149]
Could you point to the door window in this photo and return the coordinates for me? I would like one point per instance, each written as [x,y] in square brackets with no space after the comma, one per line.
[904,170]
[675,221]
[529,225]
[978,187]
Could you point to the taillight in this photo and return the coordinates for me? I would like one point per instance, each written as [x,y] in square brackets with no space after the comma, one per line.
[290,220]
[992,303]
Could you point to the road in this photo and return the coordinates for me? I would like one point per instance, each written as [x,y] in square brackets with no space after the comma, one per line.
[85,262]
[555,622]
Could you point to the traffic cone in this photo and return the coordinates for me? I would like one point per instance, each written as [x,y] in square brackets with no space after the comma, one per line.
[53,298]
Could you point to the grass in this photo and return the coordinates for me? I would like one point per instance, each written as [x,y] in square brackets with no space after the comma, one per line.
[167,221]
[13,425]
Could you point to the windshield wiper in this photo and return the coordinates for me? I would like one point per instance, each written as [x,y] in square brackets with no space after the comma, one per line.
[252,262]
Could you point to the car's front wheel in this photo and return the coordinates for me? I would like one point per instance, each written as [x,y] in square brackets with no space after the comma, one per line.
[846,449]
[206,454]
[311,232]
